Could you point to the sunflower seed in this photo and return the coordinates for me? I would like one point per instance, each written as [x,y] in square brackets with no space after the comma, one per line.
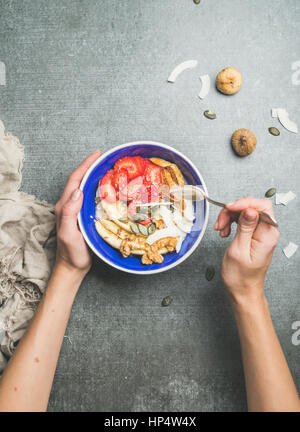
[151,228]
[270,193]
[167,301]
[143,230]
[134,228]
[274,131]
[210,272]
[210,115]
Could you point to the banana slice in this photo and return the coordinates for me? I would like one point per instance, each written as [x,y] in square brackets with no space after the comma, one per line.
[115,210]
[176,175]
[115,229]
[108,236]
[167,178]
[161,162]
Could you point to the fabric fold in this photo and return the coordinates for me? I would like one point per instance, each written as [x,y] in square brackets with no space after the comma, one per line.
[27,247]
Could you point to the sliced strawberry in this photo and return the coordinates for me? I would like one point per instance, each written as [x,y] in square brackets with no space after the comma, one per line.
[152,192]
[133,191]
[141,163]
[106,189]
[146,221]
[152,174]
[131,165]
[120,179]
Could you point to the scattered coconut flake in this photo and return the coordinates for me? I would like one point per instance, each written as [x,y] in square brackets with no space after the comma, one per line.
[69,339]
[189,64]
[283,117]
[274,112]
[285,198]
[290,249]
[205,79]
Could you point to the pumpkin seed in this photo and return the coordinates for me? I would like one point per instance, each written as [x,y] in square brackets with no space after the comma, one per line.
[197,1]
[151,228]
[274,131]
[134,228]
[143,230]
[137,217]
[270,193]
[210,115]
[167,301]
[210,272]
[124,219]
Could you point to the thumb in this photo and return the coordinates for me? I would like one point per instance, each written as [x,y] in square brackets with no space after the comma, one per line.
[247,224]
[70,211]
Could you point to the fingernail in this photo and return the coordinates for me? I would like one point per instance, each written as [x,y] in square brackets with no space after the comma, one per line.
[230,204]
[216,225]
[75,195]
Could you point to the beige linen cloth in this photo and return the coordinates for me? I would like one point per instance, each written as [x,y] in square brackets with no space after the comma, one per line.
[27,247]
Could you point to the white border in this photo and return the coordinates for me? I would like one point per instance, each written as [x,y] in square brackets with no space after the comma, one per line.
[188,253]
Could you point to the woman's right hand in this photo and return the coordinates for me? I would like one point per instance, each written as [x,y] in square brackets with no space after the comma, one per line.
[249,255]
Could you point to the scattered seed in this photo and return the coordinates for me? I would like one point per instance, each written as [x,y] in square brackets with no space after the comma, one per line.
[97,200]
[137,217]
[210,272]
[274,131]
[210,115]
[197,1]
[167,301]
[143,230]
[151,228]
[270,193]
[134,228]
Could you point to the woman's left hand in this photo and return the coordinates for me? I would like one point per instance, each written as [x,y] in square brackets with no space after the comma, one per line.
[72,251]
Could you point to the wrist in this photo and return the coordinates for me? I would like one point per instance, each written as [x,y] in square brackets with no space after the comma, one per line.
[64,267]
[66,277]
[250,302]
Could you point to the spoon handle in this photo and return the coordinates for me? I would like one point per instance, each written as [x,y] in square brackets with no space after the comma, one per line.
[263,217]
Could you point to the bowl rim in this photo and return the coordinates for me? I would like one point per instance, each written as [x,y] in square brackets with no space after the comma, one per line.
[188,253]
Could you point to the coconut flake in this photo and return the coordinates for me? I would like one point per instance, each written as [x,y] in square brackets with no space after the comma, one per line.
[167,216]
[179,243]
[162,233]
[188,211]
[205,79]
[183,224]
[290,249]
[285,198]
[283,117]
[274,112]
[189,64]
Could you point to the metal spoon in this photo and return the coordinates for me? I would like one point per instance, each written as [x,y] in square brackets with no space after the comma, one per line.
[194,193]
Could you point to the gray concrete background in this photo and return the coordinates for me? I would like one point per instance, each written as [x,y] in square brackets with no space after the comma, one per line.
[88,74]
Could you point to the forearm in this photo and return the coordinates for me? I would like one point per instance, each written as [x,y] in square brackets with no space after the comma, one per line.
[269,384]
[27,380]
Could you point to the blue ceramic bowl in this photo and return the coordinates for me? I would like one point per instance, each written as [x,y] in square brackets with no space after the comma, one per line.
[89,185]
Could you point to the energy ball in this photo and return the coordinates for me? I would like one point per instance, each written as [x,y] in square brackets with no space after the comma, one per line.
[229,81]
[243,142]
